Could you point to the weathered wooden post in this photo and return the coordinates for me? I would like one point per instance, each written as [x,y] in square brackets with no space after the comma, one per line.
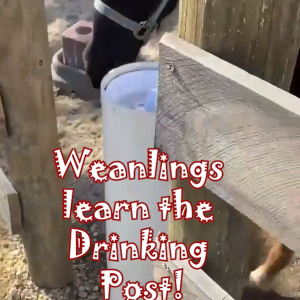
[28,102]
[259,36]
[211,110]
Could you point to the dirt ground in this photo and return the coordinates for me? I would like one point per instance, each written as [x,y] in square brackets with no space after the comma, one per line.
[80,125]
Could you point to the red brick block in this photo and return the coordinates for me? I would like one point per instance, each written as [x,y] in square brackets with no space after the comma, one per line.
[74,41]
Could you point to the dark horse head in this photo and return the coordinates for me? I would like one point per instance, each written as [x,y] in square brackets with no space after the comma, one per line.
[114,45]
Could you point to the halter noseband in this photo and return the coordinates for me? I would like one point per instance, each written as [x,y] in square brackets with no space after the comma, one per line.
[141,31]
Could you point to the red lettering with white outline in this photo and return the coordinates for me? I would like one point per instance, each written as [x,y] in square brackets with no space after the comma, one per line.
[152,155]
[147,245]
[150,289]
[80,208]
[134,290]
[127,290]
[178,275]
[76,163]
[79,243]
[163,172]
[114,239]
[163,239]
[182,209]
[102,211]
[174,165]
[202,207]
[198,250]
[132,166]
[165,287]
[117,171]
[134,252]
[84,212]
[164,206]
[135,206]
[117,208]
[198,170]
[146,250]
[100,246]
[67,203]
[99,172]
[95,168]
[174,247]
[110,278]
[216,172]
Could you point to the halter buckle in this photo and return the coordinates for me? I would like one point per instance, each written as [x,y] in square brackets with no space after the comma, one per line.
[145,29]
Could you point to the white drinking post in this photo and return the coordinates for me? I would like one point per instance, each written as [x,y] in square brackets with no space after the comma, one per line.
[129,98]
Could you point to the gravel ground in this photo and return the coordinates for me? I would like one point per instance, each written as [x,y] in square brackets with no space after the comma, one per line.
[79,125]
[15,282]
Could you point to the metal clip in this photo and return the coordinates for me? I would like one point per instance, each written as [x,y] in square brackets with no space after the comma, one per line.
[145,30]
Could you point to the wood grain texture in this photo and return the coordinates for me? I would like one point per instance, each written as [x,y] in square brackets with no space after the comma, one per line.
[28,102]
[189,290]
[10,210]
[284,43]
[235,243]
[259,36]
[196,279]
[204,113]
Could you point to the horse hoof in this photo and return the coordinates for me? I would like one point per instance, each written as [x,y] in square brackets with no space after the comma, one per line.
[259,278]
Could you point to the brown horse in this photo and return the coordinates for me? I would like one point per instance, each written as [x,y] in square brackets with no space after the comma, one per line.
[277,259]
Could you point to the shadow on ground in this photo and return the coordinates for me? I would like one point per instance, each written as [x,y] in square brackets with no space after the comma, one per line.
[256,294]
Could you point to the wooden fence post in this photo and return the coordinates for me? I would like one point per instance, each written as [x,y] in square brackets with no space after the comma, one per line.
[210,110]
[28,102]
[259,36]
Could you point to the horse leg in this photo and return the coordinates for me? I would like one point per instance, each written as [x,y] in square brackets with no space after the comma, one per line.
[277,259]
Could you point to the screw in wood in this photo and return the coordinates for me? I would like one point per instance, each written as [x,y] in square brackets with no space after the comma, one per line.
[171,66]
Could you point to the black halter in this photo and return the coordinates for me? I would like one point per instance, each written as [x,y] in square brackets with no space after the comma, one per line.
[141,31]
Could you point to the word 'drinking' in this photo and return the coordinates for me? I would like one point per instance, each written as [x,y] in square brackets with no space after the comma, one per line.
[80,244]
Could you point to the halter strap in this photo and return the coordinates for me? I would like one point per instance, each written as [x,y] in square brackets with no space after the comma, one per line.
[142,30]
